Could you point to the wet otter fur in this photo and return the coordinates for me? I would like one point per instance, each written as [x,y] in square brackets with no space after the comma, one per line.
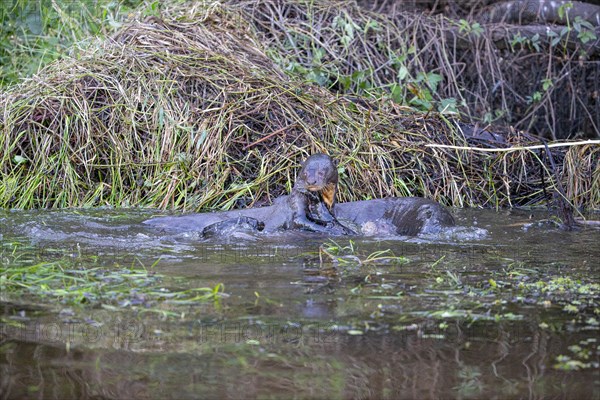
[228,226]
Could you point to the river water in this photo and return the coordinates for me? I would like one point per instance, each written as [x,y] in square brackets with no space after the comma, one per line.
[504,306]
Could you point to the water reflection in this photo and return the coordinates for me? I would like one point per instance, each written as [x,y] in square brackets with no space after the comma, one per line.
[495,361]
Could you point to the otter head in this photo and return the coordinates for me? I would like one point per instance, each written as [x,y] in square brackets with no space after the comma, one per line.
[319,174]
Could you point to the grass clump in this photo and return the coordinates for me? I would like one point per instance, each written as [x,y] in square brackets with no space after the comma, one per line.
[191,112]
[348,255]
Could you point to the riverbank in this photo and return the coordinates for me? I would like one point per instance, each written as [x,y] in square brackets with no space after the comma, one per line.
[195,113]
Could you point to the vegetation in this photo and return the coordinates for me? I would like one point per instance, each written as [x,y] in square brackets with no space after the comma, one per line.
[491,73]
[213,105]
[469,295]
[81,282]
[199,109]
[34,33]
[346,255]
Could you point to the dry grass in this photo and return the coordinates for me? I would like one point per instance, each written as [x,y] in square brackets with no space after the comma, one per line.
[195,115]
[493,72]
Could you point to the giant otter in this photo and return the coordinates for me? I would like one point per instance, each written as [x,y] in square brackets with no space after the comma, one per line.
[312,199]
[311,206]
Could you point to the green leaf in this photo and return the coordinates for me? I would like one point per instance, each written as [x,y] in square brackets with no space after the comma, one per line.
[547,84]
[371,25]
[433,80]
[397,93]
[19,160]
[448,106]
[402,73]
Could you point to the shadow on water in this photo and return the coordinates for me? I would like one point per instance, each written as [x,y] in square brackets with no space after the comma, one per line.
[503,306]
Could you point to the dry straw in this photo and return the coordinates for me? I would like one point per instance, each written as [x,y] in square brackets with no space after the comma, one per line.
[190,113]
[540,78]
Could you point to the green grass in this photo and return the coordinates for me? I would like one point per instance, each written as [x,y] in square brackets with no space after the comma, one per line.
[35,33]
[350,256]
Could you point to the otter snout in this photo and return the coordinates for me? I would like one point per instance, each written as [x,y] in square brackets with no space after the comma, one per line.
[314,182]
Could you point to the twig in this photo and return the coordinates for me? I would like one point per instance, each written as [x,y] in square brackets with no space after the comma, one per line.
[262,139]
[508,149]
[588,222]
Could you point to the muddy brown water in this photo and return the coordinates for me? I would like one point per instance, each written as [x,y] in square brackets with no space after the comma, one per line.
[298,324]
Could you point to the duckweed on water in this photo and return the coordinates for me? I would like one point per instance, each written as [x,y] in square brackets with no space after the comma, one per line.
[572,295]
[122,287]
[467,295]
[580,356]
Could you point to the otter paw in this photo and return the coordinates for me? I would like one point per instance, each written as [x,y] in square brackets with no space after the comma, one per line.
[339,229]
